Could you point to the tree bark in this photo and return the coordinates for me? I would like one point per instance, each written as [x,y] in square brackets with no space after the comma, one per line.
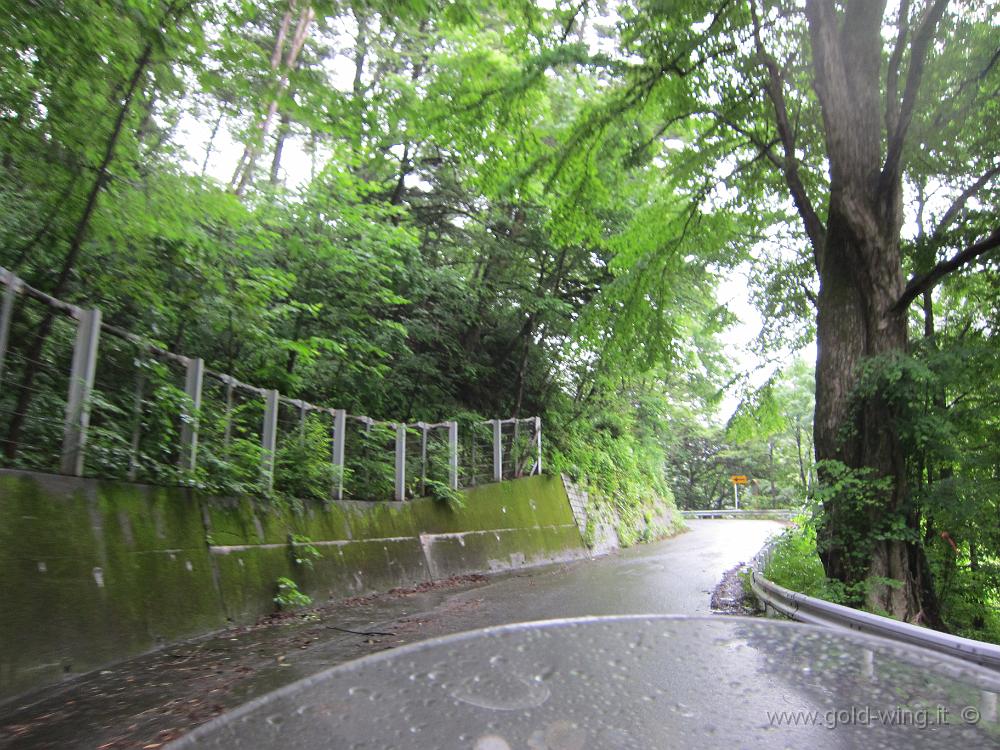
[243,177]
[866,539]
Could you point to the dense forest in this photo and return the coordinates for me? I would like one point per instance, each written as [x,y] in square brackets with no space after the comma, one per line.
[426,211]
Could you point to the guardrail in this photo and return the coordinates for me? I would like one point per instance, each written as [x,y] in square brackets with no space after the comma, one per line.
[783,513]
[815,611]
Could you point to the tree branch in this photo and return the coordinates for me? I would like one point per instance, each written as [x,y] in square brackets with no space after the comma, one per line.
[790,166]
[914,75]
[956,207]
[920,284]
[765,149]
[892,74]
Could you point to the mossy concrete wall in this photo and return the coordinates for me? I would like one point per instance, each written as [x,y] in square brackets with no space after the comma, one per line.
[94,571]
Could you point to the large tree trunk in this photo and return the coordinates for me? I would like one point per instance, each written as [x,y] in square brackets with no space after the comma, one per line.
[869,538]
[860,279]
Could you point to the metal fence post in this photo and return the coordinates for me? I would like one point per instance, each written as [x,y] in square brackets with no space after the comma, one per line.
[189,426]
[453,455]
[423,458]
[269,438]
[538,445]
[400,461]
[472,451]
[136,439]
[227,434]
[11,284]
[339,426]
[497,450]
[516,458]
[81,385]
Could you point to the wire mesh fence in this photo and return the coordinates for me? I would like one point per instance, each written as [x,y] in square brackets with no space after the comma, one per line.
[33,385]
[81,397]
[229,452]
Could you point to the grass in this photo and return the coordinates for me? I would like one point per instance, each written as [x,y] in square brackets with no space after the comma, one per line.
[795,564]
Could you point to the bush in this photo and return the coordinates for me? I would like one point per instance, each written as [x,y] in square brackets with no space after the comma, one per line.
[795,564]
[289,597]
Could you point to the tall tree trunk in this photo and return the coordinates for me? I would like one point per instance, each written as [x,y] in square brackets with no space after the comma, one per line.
[279,147]
[244,174]
[854,323]
[866,536]
[211,143]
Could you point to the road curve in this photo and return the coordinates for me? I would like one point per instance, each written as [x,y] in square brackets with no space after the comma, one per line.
[675,576]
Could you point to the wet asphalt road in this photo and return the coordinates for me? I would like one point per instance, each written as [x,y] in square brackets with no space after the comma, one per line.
[157,697]
[675,576]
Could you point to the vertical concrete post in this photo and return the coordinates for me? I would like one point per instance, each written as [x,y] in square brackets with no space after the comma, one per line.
[81,385]
[11,284]
[269,438]
[401,461]
[453,455]
[497,450]
[516,457]
[303,413]
[472,437]
[339,427]
[227,434]
[189,426]
[137,397]
[423,459]
[538,445]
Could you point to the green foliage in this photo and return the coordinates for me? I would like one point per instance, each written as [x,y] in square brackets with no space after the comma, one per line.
[617,454]
[795,564]
[302,466]
[288,596]
[443,493]
[758,416]
[302,551]
[768,439]
[497,216]
[371,464]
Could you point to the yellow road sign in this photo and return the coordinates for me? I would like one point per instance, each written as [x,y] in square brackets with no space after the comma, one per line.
[738,479]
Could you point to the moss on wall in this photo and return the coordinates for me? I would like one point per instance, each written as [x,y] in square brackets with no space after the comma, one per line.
[94,571]
[91,572]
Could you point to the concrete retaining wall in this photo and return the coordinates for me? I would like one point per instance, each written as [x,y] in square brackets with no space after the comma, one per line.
[92,571]
[603,535]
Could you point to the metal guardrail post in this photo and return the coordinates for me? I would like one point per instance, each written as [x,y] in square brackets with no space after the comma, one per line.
[868,665]
[11,283]
[401,461]
[269,438]
[497,450]
[339,426]
[453,455]
[81,386]
[189,426]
